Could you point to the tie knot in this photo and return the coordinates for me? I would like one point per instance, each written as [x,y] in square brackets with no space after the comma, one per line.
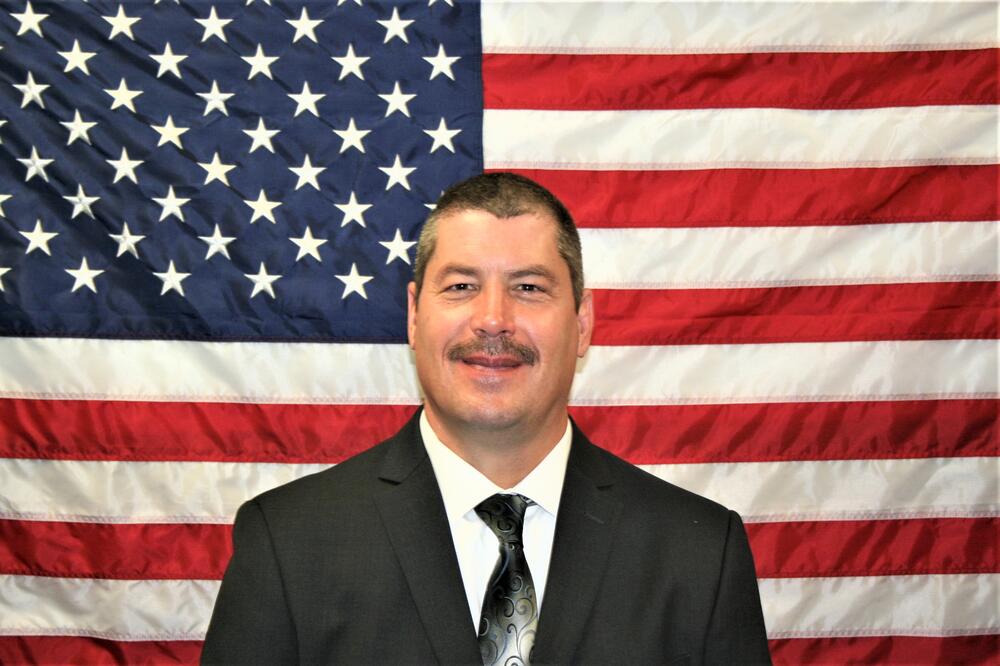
[504,514]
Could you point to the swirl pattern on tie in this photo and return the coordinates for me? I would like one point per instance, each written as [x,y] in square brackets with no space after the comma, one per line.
[510,610]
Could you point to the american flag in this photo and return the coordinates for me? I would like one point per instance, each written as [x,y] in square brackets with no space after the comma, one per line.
[789,215]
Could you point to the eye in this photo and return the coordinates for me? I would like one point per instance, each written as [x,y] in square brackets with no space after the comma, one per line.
[459,286]
[529,287]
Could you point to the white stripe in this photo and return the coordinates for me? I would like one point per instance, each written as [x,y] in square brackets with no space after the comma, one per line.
[733,27]
[131,610]
[938,605]
[845,489]
[628,375]
[739,138]
[210,492]
[725,257]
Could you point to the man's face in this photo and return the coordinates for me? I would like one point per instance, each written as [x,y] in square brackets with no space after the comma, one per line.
[495,332]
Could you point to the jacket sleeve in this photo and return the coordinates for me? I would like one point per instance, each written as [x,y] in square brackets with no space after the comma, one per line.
[251,622]
[736,633]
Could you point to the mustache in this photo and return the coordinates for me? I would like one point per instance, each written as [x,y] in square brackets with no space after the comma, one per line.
[501,346]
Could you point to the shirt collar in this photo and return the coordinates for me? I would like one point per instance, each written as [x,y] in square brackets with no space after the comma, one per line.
[463,486]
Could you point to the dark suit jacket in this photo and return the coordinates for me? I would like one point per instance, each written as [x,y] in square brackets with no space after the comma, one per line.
[356,565]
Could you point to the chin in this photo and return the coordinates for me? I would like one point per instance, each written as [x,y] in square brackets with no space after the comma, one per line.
[488,415]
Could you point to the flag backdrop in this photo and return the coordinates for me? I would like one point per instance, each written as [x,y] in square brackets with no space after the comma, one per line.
[789,218]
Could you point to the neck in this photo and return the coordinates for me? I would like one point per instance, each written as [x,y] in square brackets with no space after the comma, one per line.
[503,455]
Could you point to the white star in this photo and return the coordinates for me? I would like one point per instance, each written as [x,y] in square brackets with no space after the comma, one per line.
[36,165]
[84,276]
[217,243]
[213,26]
[398,174]
[431,2]
[171,205]
[351,64]
[442,136]
[3,271]
[2,123]
[38,238]
[340,2]
[306,100]
[122,96]
[395,26]
[170,133]
[262,281]
[168,61]
[124,167]
[398,248]
[304,26]
[216,170]
[77,128]
[308,245]
[353,211]
[81,203]
[441,63]
[127,241]
[29,20]
[307,173]
[32,91]
[121,24]
[260,63]
[215,99]
[397,100]
[261,136]
[172,280]
[77,59]
[351,136]
[4,197]
[354,283]
[262,207]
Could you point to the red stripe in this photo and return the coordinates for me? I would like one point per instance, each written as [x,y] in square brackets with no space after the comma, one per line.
[789,550]
[911,650]
[77,650]
[920,311]
[775,197]
[118,430]
[740,80]
[875,547]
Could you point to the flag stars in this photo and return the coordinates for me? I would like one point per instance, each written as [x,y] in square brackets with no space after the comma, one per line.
[398,248]
[214,26]
[262,208]
[262,281]
[77,58]
[215,100]
[84,276]
[121,24]
[3,198]
[217,243]
[78,128]
[351,137]
[398,174]
[307,173]
[123,96]
[304,26]
[125,167]
[216,170]
[260,63]
[81,203]
[170,133]
[171,205]
[36,165]
[354,283]
[29,20]
[442,136]
[395,27]
[168,61]
[397,100]
[38,238]
[308,245]
[261,136]
[31,91]
[353,211]
[172,280]
[441,63]
[127,241]
[3,271]
[350,64]
[306,100]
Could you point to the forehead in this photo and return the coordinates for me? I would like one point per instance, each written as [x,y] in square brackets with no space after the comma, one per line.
[481,237]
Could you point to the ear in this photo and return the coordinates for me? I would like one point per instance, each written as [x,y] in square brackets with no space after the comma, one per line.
[585,322]
[411,312]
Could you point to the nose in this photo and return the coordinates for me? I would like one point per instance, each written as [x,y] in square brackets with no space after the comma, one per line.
[493,312]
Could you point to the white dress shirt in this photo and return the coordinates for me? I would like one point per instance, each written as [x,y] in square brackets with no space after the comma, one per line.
[463,487]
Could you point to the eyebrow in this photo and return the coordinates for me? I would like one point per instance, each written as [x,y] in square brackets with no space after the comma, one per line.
[536,270]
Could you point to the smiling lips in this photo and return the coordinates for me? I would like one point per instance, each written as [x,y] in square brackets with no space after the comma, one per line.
[495,353]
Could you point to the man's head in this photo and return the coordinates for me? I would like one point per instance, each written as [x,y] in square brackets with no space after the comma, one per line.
[497,311]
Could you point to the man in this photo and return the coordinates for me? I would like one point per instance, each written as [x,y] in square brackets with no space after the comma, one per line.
[392,556]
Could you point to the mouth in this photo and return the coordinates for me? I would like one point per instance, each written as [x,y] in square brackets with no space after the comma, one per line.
[495,354]
[492,362]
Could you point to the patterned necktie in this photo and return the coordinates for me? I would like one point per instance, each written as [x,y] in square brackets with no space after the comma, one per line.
[510,609]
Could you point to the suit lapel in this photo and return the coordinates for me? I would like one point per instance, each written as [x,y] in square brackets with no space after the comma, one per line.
[585,529]
[413,513]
